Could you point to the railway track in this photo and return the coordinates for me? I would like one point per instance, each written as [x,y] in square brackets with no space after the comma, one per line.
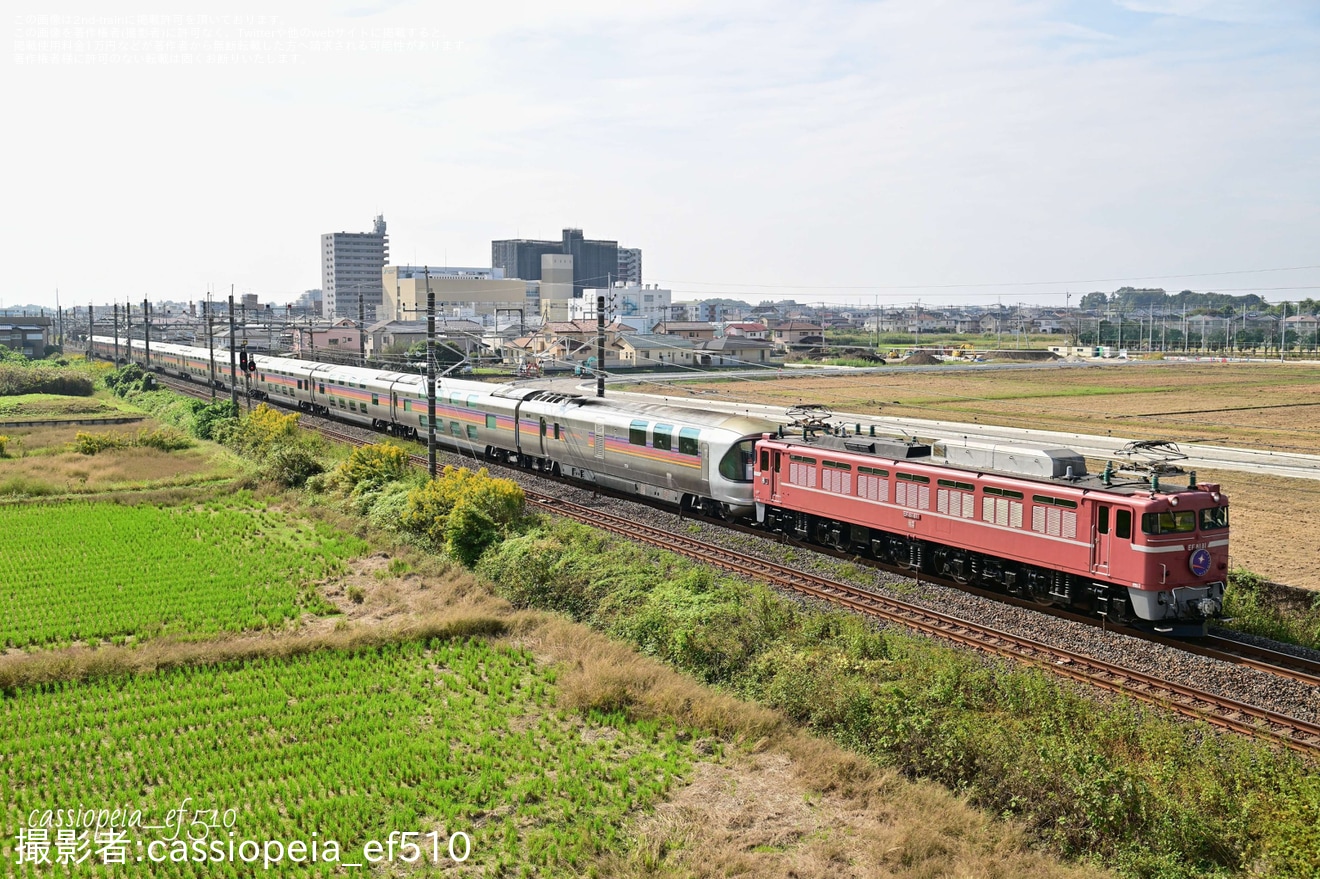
[1189,702]
[1219,711]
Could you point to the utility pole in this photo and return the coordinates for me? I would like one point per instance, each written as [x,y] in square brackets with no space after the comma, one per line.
[146,330]
[233,355]
[128,332]
[362,328]
[430,373]
[600,346]
[207,309]
[116,319]
[90,324]
[1283,332]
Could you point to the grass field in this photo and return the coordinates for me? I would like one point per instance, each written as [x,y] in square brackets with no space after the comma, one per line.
[40,462]
[443,737]
[30,407]
[89,571]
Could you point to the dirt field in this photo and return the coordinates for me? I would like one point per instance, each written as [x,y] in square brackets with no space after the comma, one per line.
[1276,522]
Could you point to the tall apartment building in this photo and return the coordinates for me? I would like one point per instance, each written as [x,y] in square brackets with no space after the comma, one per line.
[630,266]
[595,262]
[351,265]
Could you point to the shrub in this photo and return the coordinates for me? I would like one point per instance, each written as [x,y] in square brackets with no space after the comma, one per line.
[370,467]
[91,443]
[262,429]
[291,464]
[483,509]
[386,510]
[207,416]
[128,379]
[23,378]
[4,441]
[165,439]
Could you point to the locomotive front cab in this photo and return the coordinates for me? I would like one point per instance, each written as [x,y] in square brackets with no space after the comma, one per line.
[1182,539]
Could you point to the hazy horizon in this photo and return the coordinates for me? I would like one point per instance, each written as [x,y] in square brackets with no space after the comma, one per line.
[842,154]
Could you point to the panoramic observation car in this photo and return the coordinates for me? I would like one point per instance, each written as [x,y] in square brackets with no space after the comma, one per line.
[691,458]
[1127,545]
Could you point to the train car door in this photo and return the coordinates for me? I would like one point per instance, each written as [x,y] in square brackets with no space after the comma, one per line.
[769,461]
[541,429]
[1100,547]
[704,451]
[600,440]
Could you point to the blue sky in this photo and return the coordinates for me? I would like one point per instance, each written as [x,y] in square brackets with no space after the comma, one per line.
[830,152]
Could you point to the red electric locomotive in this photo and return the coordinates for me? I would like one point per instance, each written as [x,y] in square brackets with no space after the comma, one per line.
[1131,545]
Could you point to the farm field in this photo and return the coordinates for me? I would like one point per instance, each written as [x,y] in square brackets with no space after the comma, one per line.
[40,461]
[1276,526]
[52,406]
[84,571]
[352,745]
[1253,404]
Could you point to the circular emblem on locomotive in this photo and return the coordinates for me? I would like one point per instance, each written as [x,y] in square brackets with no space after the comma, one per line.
[1200,562]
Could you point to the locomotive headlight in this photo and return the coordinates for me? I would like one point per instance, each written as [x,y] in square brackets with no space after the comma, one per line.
[1215,497]
[1173,502]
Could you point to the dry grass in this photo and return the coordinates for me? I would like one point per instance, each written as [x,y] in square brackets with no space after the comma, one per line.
[782,804]
[39,463]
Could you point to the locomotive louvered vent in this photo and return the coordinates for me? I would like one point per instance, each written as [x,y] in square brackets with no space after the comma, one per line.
[887,448]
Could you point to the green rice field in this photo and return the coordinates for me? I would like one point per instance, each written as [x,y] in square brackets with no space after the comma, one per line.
[89,571]
[442,737]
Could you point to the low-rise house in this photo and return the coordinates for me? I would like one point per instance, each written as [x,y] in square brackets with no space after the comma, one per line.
[656,350]
[736,351]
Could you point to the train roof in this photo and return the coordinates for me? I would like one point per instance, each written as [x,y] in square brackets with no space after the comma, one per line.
[1059,467]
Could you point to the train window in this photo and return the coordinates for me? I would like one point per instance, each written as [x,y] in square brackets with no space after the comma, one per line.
[1214,518]
[637,433]
[543,427]
[801,459]
[736,465]
[1054,501]
[472,401]
[471,431]
[765,460]
[1123,524]
[490,422]
[375,399]
[556,430]
[323,388]
[455,428]
[913,477]
[1002,492]
[662,436]
[1102,522]
[422,420]
[838,465]
[874,471]
[407,405]
[687,441]
[456,399]
[1168,522]
[961,486]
